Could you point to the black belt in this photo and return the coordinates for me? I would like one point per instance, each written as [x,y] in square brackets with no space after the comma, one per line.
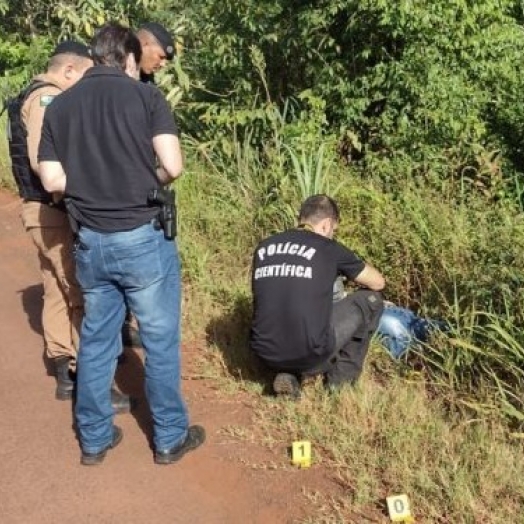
[51,203]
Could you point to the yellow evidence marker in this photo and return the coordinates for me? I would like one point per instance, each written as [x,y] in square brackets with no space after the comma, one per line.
[301,454]
[398,508]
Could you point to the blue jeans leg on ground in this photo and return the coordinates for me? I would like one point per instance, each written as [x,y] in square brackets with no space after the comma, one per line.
[400,329]
[142,267]
[395,329]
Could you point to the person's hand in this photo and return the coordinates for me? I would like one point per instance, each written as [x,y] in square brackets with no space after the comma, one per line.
[57,196]
[388,303]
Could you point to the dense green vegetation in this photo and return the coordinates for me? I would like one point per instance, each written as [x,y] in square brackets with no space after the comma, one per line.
[410,114]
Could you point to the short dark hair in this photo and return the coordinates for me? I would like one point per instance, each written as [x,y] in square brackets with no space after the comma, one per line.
[112,44]
[69,51]
[72,47]
[316,208]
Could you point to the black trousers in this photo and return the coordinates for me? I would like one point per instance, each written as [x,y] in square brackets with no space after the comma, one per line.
[355,318]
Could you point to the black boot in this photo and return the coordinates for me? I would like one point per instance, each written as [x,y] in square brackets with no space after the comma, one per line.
[65,384]
[121,402]
[130,336]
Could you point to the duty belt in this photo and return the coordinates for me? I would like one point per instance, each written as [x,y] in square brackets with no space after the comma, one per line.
[60,205]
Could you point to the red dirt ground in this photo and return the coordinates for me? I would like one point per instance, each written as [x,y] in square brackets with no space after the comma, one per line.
[41,479]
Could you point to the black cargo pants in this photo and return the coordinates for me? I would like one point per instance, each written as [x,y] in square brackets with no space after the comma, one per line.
[354,320]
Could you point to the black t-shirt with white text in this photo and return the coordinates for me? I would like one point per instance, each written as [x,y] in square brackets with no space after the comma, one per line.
[292,282]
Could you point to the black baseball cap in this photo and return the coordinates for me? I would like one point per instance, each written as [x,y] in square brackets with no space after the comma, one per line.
[70,47]
[163,37]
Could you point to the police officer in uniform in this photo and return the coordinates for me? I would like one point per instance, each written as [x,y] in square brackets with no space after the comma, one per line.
[158,48]
[44,215]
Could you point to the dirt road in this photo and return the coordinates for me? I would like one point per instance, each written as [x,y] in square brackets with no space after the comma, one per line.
[41,479]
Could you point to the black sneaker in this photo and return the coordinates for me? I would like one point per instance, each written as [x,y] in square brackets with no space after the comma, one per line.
[286,384]
[121,402]
[130,336]
[196,435]
[93,459]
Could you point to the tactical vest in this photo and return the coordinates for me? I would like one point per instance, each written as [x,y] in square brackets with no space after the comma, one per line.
[29,185]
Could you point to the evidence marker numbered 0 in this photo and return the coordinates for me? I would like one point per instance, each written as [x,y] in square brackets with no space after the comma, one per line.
[398,508]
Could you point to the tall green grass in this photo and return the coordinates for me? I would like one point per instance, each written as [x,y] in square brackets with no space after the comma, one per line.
[441,425]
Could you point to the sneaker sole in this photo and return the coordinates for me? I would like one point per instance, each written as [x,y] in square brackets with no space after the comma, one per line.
[286,384]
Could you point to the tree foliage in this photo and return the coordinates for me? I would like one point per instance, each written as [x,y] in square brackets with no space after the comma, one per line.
[434,82]
[429,88]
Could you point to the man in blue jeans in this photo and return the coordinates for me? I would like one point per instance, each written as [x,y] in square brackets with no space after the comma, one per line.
[100,144]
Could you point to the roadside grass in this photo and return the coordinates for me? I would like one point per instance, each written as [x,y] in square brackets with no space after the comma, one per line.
[396,432]
[443,425]
[386,439]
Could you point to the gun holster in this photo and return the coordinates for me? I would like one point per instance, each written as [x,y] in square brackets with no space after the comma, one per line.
[167,216]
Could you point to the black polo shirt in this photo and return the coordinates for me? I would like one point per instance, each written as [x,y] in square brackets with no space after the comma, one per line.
[101,131]
[292,281]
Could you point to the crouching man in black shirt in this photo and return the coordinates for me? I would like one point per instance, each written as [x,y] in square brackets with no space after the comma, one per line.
[298,330]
